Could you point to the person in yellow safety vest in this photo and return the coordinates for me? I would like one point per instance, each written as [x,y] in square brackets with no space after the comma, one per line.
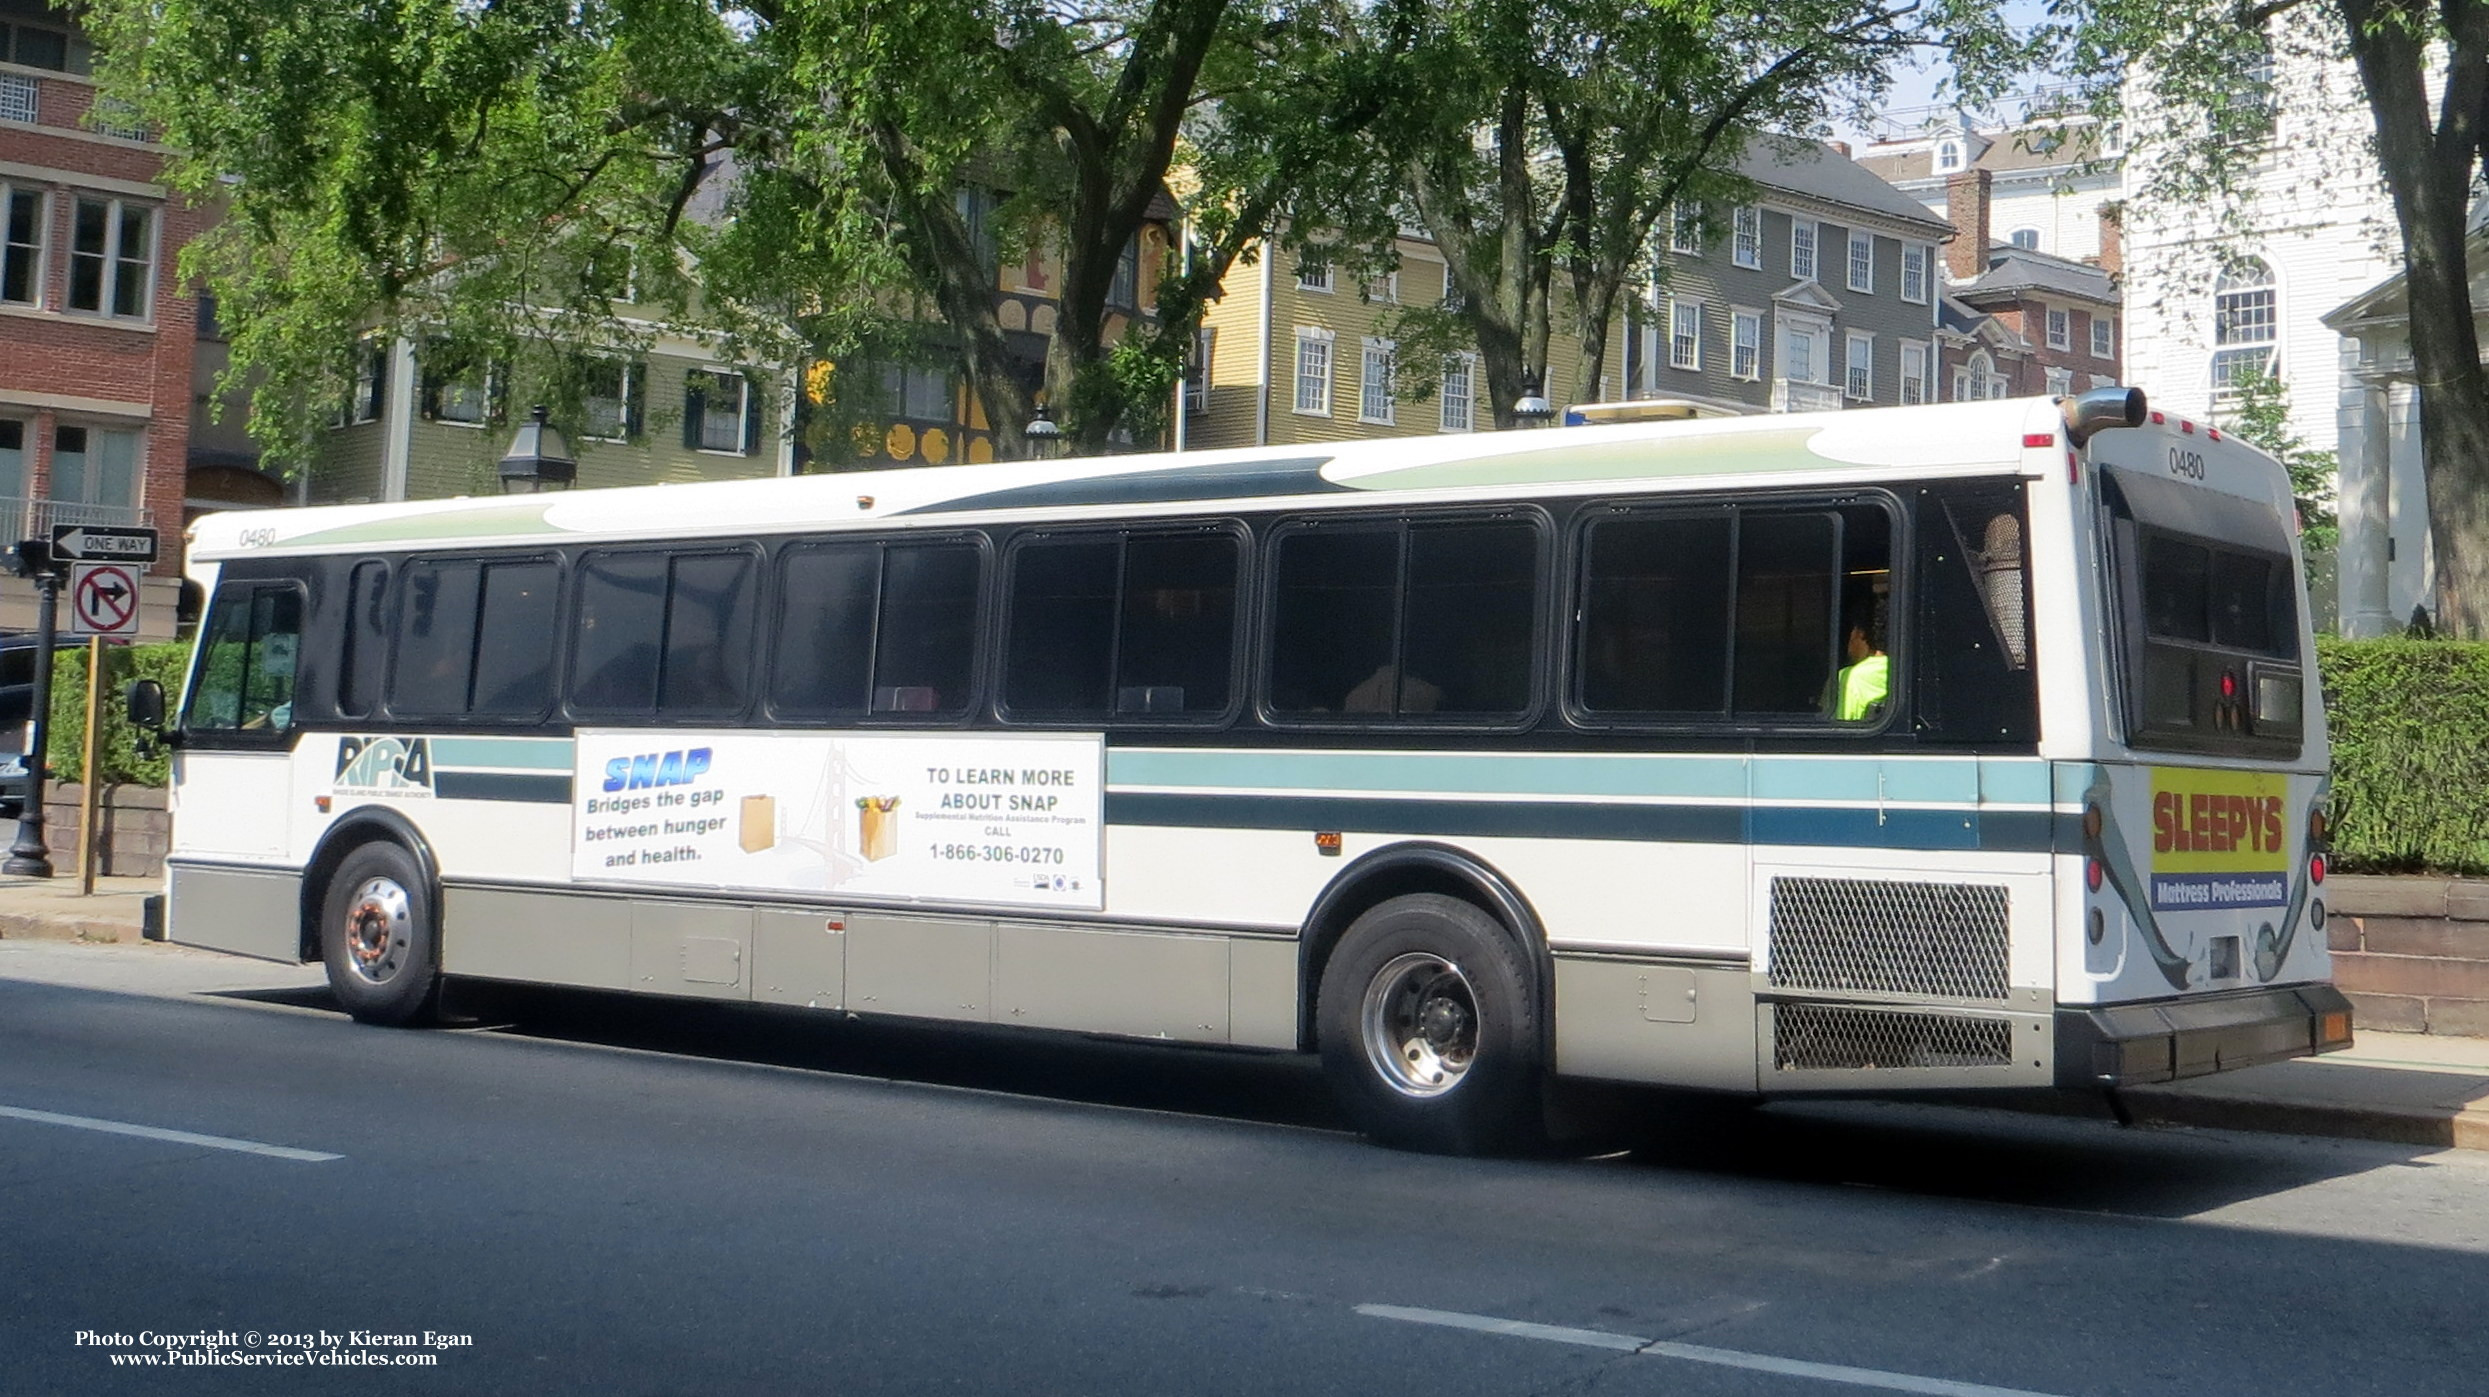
[1867,678]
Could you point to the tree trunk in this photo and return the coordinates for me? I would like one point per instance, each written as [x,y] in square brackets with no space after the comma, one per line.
[2428,171]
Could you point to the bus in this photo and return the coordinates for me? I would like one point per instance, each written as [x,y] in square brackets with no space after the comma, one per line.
[1967,746]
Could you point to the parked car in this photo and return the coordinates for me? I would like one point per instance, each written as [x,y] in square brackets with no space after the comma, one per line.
[17,709]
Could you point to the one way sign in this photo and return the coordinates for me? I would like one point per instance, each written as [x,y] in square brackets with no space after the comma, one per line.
[103,543]
[103,599]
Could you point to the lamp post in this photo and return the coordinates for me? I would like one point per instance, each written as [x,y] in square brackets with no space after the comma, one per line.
[1533,410]
[29,856]
[538,459]
[1045,439]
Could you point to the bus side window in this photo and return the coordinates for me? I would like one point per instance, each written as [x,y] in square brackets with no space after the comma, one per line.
[924,643]
[359,666]
[1655,616]
[1334,622]
[1110,624]
[246,673]
[475,638]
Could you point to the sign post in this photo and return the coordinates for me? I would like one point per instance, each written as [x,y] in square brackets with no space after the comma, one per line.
[126,552]
[86,768]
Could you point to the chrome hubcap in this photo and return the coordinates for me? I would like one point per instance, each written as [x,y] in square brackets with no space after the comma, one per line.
[1421,1024]
[379,922]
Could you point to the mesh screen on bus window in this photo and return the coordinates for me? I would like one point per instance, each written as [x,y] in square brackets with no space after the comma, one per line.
[1787,584]
[1059,652]
[619,620]
[2177,588]
[436,638]
[360,663]
[823,655]
[708,634]
[513,652]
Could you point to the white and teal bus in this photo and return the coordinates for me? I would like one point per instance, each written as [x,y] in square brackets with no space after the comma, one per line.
[1972,745]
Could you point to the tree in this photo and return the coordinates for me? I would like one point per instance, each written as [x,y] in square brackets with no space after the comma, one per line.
[2196,59]
[795,177]
[1541,141]
[2259,415]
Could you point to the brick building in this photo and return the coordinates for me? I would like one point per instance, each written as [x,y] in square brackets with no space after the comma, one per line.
[2018,322]
[97,334]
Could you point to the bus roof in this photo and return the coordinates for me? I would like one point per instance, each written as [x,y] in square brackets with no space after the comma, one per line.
[1854,447]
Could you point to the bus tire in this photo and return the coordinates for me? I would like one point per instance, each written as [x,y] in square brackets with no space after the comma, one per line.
[380,937]
[1429,1030]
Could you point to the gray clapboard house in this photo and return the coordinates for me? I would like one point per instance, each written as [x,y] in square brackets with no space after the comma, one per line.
[1821,293]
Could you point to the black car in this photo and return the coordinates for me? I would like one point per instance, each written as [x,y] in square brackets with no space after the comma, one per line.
[17,708]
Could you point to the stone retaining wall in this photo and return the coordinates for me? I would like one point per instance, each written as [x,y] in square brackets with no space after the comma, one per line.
[2412,953]
[135,830]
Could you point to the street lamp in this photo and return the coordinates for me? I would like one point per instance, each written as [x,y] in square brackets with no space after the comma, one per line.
[538,458]
[1533,410]
[1044,437]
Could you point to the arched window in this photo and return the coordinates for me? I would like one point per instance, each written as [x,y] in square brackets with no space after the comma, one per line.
[2028,239]
[1977,378]
[2245,325]
[1948,156]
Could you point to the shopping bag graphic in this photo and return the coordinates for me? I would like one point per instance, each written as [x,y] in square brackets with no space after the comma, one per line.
[759,827]
[877,827]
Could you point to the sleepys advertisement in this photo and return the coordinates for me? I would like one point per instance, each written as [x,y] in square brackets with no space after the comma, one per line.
[999,820]
[2220,840]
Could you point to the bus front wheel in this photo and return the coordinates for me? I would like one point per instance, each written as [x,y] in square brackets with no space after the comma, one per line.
[1428,1029]
[379,937]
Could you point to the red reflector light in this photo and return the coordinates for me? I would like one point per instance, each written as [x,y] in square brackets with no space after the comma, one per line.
[2186,426]
[2213,432]
[2074,469]
[2158,419]
[2039,440]
[2091,874]
[2316,868]
[2229,684]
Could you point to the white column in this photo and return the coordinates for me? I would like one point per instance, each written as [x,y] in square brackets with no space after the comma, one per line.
[2366,508]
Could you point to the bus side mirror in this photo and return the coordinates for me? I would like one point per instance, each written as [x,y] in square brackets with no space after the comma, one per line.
[145,699]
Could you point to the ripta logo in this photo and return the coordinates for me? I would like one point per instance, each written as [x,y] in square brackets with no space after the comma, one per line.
[384,765]
[656,769]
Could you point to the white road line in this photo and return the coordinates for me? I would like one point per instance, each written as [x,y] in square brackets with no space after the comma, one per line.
[178,1137]
[1697,1353]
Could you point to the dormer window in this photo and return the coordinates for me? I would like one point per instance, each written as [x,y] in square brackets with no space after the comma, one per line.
[1948,157]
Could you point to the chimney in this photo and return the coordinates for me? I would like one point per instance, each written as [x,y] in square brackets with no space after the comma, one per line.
[1843,147]
[2112,240]
[1966,208]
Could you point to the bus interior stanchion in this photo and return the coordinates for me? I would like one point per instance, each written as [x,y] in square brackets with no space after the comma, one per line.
[29,857]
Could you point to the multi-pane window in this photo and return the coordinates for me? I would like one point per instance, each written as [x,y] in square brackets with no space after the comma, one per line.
[1685,334]
[1948,156]
[609,399]
[1745,344]
[1745,245]
[367,387]
[1914,272]
[1460,380]
[1861,261]
[111,257]
[1313,270]
[247,657]
[720,413]
[472,638]
[1123,290]
[12,458]
[2104,337]
[886,629]
[1685,228]
[21,246]
[2060,382]
[1451,303]
[457,387]
[1313,371]
[1797,354]
[2028,239]
[97,466]
[918,391]
[1375,382]
[1121,625]
[2243,322]
[39,46]
[663,634]
[21,98]
[1197,370]
[1859,367]
[2060,328]
[1802,249]
[1405,619]
[1913,373]
[1738,615]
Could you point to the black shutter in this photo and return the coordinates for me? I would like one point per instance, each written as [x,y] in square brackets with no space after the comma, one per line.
[751,414]
[634,399]
[430,383]
[379,353]
[695,402]
[496,391]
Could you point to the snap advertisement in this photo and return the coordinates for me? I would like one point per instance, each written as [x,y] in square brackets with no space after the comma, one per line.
[920,816]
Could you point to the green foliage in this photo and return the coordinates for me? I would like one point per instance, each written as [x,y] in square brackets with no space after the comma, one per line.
[2259,415]
[118,757]
[2410,727]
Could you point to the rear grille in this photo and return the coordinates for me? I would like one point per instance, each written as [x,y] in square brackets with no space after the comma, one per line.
[1945,939]
[1838,1037]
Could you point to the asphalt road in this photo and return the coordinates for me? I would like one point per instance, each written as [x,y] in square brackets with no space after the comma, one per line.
[613,1197]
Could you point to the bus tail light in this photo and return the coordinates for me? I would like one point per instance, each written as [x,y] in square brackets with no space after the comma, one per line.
[2091,874]
[2316,868]
[2317,828]
[2334,1028]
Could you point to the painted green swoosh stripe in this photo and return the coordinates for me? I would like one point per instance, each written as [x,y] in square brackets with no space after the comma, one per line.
[500,521]
[1927,780]
[1743,452]
[503,753]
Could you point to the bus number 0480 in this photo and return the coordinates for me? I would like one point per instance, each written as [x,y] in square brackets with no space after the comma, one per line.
[2187,463]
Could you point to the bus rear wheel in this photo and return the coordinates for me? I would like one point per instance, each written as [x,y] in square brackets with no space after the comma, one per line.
[1428,1029]
[380,939]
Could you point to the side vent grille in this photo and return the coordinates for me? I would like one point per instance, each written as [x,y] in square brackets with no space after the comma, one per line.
[1838,1037]
[1946,939]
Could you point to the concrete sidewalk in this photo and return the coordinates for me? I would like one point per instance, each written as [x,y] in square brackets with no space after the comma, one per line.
[2402,1088]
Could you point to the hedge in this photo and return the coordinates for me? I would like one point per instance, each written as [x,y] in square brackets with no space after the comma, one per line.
[2410,725]
[119,759]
